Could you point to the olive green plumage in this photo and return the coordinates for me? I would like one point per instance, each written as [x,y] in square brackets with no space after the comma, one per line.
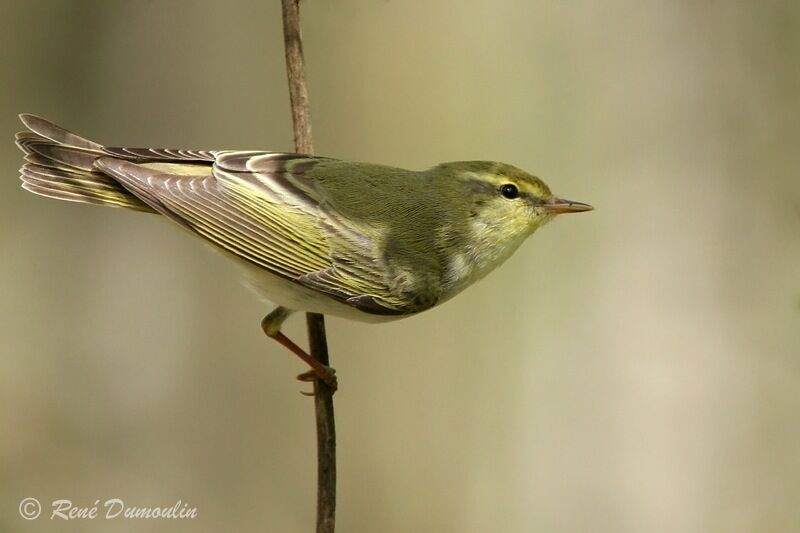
[359,240]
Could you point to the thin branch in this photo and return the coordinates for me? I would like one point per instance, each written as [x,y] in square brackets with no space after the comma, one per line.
[326,430]
[318,345]
[295,68]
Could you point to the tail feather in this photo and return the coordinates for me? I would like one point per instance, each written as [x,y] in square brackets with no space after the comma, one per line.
[63,184]
[57,134]
[63,155]
[60,164]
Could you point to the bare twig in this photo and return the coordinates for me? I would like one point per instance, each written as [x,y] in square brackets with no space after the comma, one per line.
[326,430]
[318,345]
[295,68]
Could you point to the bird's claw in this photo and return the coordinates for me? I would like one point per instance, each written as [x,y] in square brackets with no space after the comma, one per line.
[325,374]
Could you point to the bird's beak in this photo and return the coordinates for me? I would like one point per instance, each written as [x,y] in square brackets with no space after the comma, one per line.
[557,206]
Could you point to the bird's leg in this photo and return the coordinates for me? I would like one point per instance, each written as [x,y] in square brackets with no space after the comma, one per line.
[271,324]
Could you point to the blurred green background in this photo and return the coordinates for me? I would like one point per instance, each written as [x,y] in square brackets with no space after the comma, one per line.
[633,369]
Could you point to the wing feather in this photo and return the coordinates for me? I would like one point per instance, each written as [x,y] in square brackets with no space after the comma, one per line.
[160,154]
[266,209]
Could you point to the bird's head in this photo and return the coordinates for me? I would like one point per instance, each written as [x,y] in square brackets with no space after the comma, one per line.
[503,200]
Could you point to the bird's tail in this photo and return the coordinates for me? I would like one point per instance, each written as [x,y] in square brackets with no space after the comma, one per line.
[60,164]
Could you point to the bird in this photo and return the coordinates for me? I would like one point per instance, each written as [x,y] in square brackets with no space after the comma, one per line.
[362,241]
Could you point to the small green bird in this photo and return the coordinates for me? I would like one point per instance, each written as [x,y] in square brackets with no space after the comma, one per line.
[356,240]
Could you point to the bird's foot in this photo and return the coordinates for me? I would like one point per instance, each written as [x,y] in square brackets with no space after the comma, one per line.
[322,373]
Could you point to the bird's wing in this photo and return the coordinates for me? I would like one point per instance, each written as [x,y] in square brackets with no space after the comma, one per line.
[262,207]
[282,194]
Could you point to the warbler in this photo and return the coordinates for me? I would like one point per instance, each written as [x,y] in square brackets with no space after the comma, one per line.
[357,240]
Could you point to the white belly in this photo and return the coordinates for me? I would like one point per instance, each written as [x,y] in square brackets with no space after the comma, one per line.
[296,297]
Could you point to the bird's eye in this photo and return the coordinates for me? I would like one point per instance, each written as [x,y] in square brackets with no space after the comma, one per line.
[510,191]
